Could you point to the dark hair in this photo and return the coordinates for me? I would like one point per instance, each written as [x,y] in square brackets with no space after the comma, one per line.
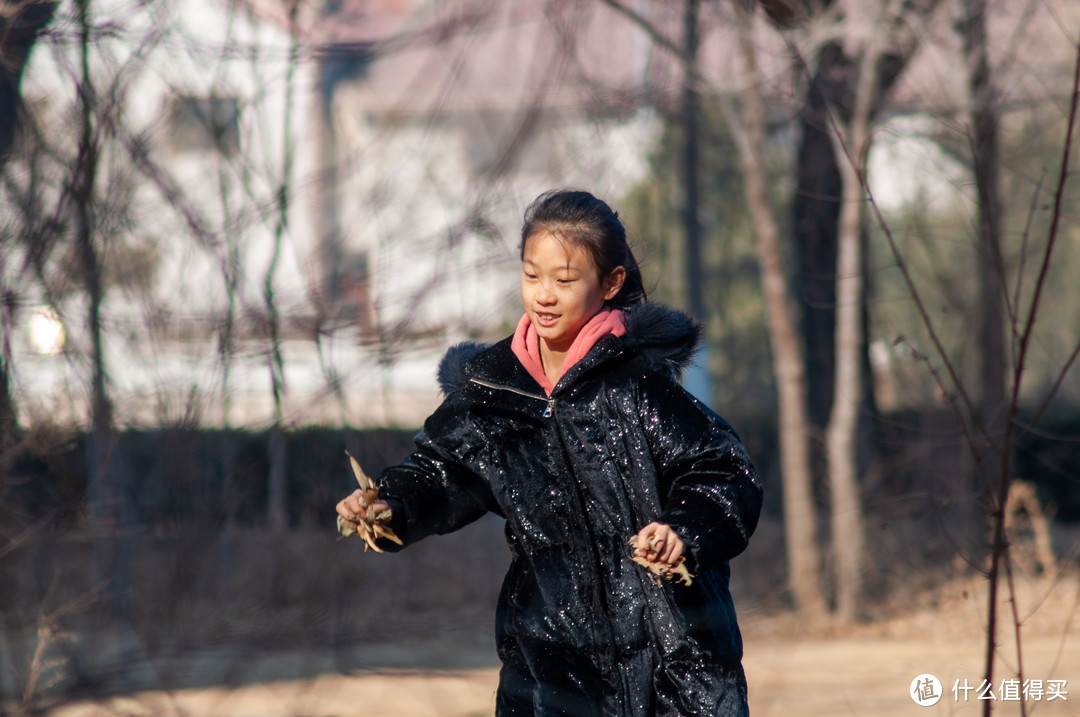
[590,224]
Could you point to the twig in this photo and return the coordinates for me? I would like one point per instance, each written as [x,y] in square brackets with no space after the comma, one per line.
[1024,239]
[909,282]
[998,543]
[1017,624]
[950,397]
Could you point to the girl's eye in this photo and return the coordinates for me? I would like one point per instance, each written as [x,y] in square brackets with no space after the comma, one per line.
[564,282]
[529,276]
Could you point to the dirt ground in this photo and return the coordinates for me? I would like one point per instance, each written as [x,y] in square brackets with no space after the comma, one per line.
[809,677]
[792,668]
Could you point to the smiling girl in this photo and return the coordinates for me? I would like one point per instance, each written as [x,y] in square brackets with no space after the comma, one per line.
[577,432]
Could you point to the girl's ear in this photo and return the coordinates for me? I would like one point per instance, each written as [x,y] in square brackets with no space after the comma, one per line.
[613,282]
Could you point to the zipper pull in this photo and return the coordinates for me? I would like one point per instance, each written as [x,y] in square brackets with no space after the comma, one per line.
[550,407]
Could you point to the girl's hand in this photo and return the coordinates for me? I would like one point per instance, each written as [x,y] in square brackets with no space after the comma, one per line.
[353,506]
[657,542]
[362,513]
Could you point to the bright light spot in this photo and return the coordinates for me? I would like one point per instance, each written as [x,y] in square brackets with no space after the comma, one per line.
[909,169]
[46,331]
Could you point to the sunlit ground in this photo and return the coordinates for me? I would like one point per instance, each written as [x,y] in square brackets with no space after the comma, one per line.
[793,667]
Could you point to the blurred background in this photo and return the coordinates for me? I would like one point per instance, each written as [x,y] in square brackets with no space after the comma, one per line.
[236,236]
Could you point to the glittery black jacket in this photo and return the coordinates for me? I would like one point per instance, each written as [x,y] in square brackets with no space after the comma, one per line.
[581,629]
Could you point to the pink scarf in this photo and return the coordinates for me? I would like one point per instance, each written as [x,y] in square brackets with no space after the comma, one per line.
[526,344]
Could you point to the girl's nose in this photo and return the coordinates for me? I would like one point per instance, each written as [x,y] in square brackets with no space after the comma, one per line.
[545,295]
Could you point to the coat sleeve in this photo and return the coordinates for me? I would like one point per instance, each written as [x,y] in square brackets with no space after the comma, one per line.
[433,491]
[710,491]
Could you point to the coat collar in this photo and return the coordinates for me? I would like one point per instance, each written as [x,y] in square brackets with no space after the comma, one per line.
[664,338]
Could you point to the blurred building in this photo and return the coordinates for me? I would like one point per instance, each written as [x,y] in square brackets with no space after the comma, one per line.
[405,138]
[345,184]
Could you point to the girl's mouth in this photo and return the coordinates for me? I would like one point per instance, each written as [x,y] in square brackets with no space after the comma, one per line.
[546,320]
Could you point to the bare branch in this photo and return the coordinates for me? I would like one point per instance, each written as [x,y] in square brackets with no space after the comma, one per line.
[905,272]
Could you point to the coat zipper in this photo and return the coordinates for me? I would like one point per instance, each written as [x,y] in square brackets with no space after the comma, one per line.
[548,410]
[550,400]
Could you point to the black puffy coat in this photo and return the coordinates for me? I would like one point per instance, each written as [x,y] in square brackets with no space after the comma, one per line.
[581,629]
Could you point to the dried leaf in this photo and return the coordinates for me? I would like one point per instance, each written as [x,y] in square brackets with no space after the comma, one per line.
[674,571]
[369,527]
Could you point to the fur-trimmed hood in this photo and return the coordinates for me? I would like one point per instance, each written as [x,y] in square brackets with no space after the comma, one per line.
[665,338]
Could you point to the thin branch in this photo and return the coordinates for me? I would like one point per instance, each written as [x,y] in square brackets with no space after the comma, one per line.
[1069,619]
[901,265]
[1034,421]
[1017,624]
[647,27]
[991,220]
[950,397]
[1055,220]
[998,544]
[697,81]
[1025,238]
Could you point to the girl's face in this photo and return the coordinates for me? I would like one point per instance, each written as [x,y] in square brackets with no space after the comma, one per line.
[562,288]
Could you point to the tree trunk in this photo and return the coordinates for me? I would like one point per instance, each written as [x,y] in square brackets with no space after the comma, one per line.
[842,431]
[990,316]
[847,94]
[816,211]
[800,521]
[107,499]
[20,23]
[8,423]
[697,379]
[230,500]
[326,221]
[277,483]
[691,112]
[817,203]
[848,537]
[993,407]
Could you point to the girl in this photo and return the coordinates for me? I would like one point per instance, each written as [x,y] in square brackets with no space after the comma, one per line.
[576,431]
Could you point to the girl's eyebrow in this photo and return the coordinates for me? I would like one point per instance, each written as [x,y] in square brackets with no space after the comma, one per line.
[568,268]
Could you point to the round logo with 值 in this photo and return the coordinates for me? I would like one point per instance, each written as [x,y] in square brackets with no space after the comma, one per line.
[925,690]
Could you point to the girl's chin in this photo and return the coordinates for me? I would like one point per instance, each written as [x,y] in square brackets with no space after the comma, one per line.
[551,334]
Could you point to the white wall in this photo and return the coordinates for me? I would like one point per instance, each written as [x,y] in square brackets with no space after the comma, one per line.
[406,189]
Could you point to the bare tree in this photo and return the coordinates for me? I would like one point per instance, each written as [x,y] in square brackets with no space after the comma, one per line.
[7,404]
[882,50]
[849,83]
[697,379]
[970,412]
[848,538]
[20,23]
[833,62]
[748,129]
[800,519]
[104,492]
[277,486]
[984,139]
[990,310]
[1023,327]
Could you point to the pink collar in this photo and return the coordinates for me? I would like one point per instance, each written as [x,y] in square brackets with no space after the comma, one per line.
[526,344]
